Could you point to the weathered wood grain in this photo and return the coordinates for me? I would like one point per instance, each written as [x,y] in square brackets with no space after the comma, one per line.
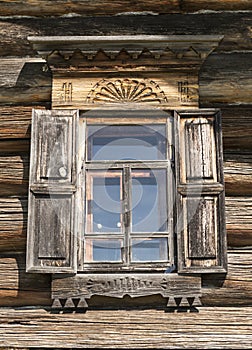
[217,328]
[110,7]
[20,288]
[225,78]
[86,7]
[15,123]
[216,5]
[237,128]
[235,288]
[238,173]
[14,146]
[239,221]
[23,71]
[14,173]
[210,328]
[236,28]
[13,223]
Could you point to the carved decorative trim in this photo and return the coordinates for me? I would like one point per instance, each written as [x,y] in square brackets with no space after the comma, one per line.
[66,92]
[74,291]
[126,90]
[71,51]
[183,90]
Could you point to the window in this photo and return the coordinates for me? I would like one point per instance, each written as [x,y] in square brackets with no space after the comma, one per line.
[128,194]
[140,194]
[120,198]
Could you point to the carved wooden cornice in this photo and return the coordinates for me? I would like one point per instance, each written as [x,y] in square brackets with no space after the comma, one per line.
[87,50]
[153,70]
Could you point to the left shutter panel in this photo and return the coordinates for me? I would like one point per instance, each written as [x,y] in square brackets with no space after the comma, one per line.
[51,241]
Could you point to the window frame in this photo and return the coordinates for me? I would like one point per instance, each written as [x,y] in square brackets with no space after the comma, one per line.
[111,116]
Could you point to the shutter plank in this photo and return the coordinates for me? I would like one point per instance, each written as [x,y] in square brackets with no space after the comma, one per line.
[53,225]
[199,149]
[201,218]
[55,142]
[201,236]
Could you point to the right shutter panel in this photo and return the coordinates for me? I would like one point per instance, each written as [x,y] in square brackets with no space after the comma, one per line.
[201,236]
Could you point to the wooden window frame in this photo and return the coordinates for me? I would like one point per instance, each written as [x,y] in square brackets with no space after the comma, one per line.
[131,117]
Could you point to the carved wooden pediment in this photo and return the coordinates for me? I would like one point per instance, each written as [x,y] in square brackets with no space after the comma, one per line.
[111,69]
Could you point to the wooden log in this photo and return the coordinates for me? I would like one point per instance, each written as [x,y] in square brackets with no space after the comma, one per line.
[24,71]
[234,26]
[237,128]
[86,7]
[25,95]
[216,5]
[14,146]
[13,221]
[210,328]
[233,289]
[239,221]
[15,123]
[110,7]
[225,78]
[20,288]
[14,173]
[238,173]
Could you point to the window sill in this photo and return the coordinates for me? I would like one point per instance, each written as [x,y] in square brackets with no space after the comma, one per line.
[75,290]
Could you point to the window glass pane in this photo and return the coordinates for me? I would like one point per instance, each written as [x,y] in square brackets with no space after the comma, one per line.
[104,192]
[151,249]
[149,200]
[127,142]
[103,250]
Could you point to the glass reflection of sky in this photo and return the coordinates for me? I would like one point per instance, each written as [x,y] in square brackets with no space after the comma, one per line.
[106,250]
[149,250]
[149,210]
[127,142]
[106,218]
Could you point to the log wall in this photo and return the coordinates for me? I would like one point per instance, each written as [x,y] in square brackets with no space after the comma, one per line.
[225,81]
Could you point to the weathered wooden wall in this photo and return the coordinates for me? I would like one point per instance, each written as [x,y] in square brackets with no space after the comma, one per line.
[225,81]
[211,328]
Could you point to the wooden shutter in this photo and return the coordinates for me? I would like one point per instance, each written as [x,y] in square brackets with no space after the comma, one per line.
[200,226]
[51,243]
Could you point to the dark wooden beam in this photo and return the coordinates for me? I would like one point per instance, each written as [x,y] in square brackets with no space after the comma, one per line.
[110,7]
[234,26]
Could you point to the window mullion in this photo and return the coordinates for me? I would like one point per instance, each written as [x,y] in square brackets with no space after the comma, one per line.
[126,212]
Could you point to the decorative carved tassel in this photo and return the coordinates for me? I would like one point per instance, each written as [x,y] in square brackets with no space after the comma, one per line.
[69,303]
[56,304]
[197,301]
[171,302]
[184,302]
[82,303]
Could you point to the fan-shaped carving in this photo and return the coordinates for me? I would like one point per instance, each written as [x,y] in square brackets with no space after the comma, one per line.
[126,90]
